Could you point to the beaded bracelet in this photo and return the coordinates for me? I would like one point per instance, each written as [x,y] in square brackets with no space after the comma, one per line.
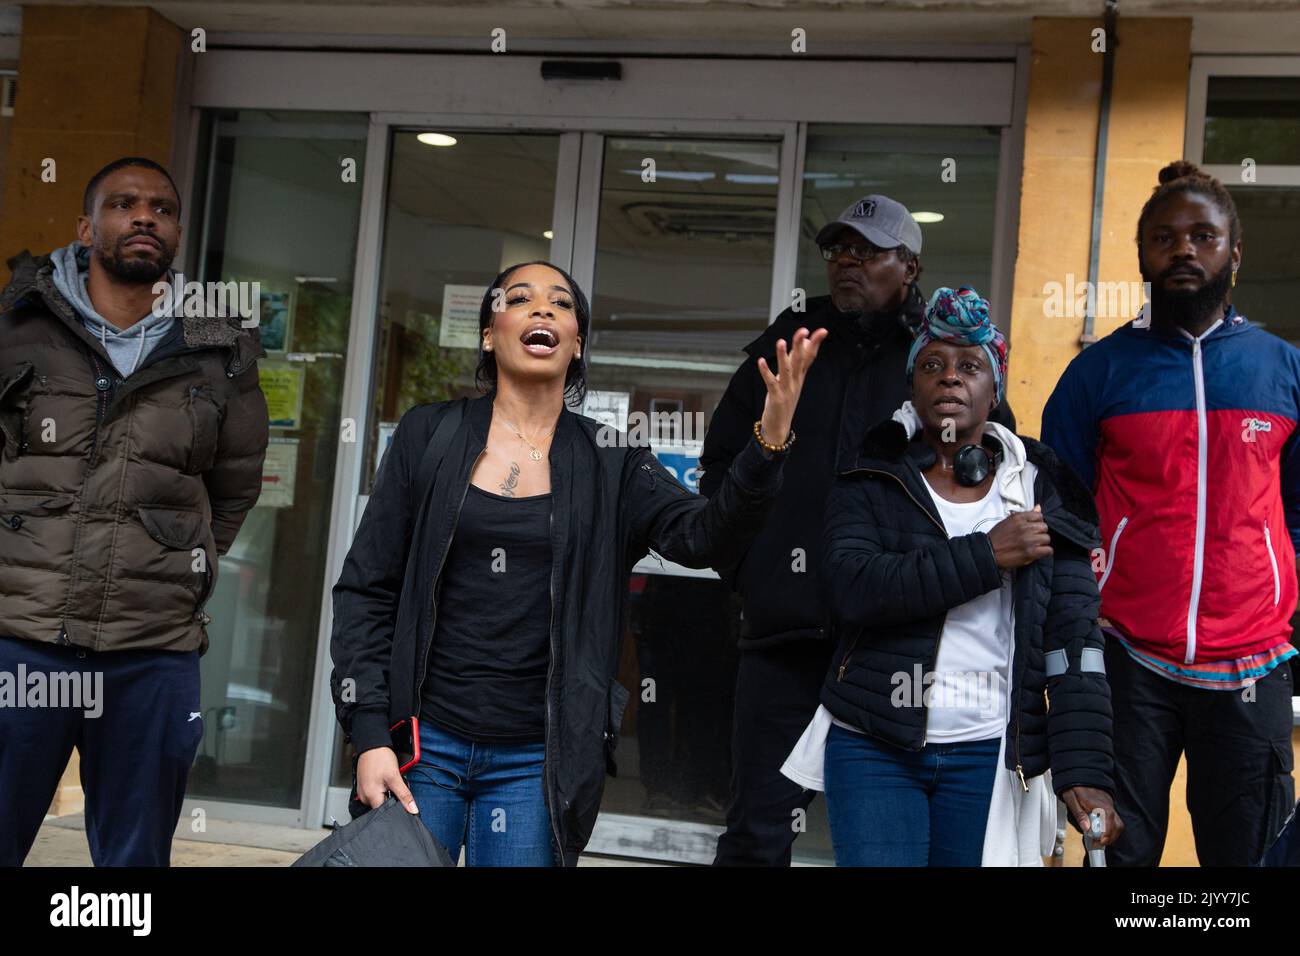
[768,446]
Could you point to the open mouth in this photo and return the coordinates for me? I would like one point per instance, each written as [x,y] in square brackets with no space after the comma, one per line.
[950,404]
[540,340]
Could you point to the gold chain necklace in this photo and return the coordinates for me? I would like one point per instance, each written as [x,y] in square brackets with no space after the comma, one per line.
[535,455]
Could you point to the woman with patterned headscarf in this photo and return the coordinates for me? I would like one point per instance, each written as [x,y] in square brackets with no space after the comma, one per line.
[967,690]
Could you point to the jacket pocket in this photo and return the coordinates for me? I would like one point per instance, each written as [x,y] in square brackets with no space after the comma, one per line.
[15,510]
[1272,560]
[183,531]
[1281,786]
[12,411]
[205,592]
[656,479]
[1110,555]
[618,698]
[205,422]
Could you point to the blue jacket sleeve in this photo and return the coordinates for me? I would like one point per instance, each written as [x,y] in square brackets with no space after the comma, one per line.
[1070,425]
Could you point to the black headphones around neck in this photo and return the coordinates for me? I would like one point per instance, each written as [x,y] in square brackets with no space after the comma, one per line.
[972,463]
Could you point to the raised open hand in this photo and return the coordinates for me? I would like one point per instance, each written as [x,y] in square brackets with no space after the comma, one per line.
[784,386]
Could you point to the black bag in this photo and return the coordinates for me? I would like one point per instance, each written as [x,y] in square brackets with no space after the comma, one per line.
[385,836]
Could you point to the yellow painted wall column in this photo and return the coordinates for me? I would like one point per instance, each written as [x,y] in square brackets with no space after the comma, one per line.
[1147,123]
[1147,117]
[95,84]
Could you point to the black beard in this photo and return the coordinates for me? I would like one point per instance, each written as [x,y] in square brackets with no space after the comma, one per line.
[141,271]
[1188,309]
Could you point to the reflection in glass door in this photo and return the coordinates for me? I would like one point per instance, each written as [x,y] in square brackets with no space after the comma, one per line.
[684,254]
[278,212]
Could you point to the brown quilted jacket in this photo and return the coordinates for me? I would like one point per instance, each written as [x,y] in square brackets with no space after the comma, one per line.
[118,495]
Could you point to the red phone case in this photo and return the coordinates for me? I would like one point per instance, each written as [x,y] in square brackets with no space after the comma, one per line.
[415,742]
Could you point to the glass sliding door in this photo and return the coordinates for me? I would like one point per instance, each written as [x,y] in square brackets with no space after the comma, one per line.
[684,252]
[683,238]
[460,207]
[277,209]
[957,211]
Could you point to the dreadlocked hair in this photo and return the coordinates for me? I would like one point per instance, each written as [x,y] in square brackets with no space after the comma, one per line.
[1181,176]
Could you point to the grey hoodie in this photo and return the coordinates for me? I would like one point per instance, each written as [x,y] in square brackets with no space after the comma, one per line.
[128,348]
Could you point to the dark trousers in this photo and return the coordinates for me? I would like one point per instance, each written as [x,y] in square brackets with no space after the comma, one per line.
[136,751]
[777,692]
[1239,762]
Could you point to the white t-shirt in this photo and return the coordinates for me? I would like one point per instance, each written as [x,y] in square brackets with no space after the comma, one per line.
[966,699]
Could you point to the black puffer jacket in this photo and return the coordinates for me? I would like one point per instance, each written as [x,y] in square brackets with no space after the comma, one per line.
[892,573]
[112,485]
[856,381]
[609,503]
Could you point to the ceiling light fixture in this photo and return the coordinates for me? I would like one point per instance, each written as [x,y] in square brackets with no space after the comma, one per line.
[436,139]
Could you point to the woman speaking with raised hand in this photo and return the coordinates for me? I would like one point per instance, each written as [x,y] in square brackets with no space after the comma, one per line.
[483,604]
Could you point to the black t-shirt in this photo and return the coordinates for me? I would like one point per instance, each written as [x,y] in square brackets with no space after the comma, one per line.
[491,643]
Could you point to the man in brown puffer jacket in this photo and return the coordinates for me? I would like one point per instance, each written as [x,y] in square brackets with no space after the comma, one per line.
[131,447]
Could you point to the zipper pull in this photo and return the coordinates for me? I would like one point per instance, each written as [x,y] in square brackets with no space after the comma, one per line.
[1021,774]
[840,676]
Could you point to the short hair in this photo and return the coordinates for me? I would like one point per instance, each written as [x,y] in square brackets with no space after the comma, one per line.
[88,199]
[1181,176]
[575,378]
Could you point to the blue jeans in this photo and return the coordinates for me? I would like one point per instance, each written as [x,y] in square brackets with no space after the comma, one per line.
[892,807]
[485,797]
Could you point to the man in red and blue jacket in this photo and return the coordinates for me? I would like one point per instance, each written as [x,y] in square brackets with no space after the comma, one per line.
[1183,422]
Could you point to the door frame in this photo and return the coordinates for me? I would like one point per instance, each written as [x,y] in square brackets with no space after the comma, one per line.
[686,94]
[573,246]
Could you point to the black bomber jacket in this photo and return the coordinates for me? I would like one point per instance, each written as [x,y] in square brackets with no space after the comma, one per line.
[610,503]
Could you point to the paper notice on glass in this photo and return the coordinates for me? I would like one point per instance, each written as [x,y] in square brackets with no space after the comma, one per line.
[279,473]
[608,408]
[386,432]
[459,326]
[282,385]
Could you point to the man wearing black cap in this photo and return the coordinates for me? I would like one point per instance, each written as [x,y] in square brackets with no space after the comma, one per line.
[872,254]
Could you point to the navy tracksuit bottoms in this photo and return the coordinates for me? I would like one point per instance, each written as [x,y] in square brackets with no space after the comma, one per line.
[134,718]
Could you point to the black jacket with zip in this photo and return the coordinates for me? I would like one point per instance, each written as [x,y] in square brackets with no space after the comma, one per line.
[858,379]
[892,574]
[610,503]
